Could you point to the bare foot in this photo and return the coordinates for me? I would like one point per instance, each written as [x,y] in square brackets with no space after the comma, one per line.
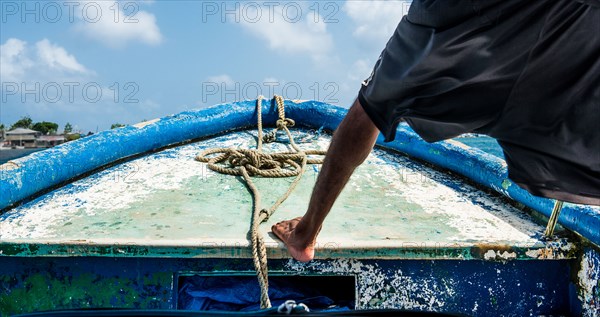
[298,247]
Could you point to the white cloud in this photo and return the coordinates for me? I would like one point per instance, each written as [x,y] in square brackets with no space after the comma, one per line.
[221,79]
[118,23]
[19,63]
[375,20]
[56,57]
[13,60]
[361,69]
[305,36]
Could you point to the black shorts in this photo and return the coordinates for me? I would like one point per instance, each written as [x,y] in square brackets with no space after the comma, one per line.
[524,72]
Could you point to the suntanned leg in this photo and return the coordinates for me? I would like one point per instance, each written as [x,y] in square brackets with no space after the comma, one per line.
[351,144]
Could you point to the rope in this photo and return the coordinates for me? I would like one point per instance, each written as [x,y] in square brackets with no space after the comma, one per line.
[553,219]
[254,162]
[290,307]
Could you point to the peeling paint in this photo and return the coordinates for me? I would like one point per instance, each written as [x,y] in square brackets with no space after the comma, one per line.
[376,289]
[490,254]
[498,290]
[555,249]
[506,184]
[10,165]
[473,287]
[589,283]
[499,255]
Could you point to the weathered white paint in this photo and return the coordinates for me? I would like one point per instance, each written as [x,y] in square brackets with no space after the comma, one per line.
[376,288]
[168,198]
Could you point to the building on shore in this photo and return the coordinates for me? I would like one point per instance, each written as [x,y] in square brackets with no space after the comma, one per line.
[22,137]
[49,140]
[27,138]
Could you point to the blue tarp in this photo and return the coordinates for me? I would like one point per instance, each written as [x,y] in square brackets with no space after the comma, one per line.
[242,293]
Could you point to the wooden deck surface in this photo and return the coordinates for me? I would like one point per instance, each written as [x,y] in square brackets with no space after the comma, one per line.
[392,207]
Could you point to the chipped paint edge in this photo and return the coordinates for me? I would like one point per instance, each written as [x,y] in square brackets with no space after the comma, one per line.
[240,249]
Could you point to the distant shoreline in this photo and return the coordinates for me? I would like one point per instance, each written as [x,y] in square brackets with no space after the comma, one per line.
[11,154]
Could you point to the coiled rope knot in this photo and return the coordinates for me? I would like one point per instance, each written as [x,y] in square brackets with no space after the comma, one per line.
[280,124]
[255,163]
[265,213]
[249,162]
[284,123]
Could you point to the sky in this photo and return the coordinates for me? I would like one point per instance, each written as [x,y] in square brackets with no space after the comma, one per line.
[95,63]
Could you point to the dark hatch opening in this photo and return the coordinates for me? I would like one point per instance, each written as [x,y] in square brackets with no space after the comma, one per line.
[211,292]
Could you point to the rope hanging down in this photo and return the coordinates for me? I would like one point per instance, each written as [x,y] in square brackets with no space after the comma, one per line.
[249,162]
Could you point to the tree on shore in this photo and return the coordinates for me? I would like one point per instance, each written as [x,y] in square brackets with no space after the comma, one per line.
[45,127]
[68,128]
[116,125]
[1,126]
[25,123]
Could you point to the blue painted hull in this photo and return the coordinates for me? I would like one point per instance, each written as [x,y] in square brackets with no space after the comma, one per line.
[543,286]
[465,287]
[68,161]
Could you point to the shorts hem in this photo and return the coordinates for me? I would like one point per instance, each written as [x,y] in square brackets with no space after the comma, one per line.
[388,132]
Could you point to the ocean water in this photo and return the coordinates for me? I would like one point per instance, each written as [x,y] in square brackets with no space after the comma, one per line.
[11,154]
[484,143]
